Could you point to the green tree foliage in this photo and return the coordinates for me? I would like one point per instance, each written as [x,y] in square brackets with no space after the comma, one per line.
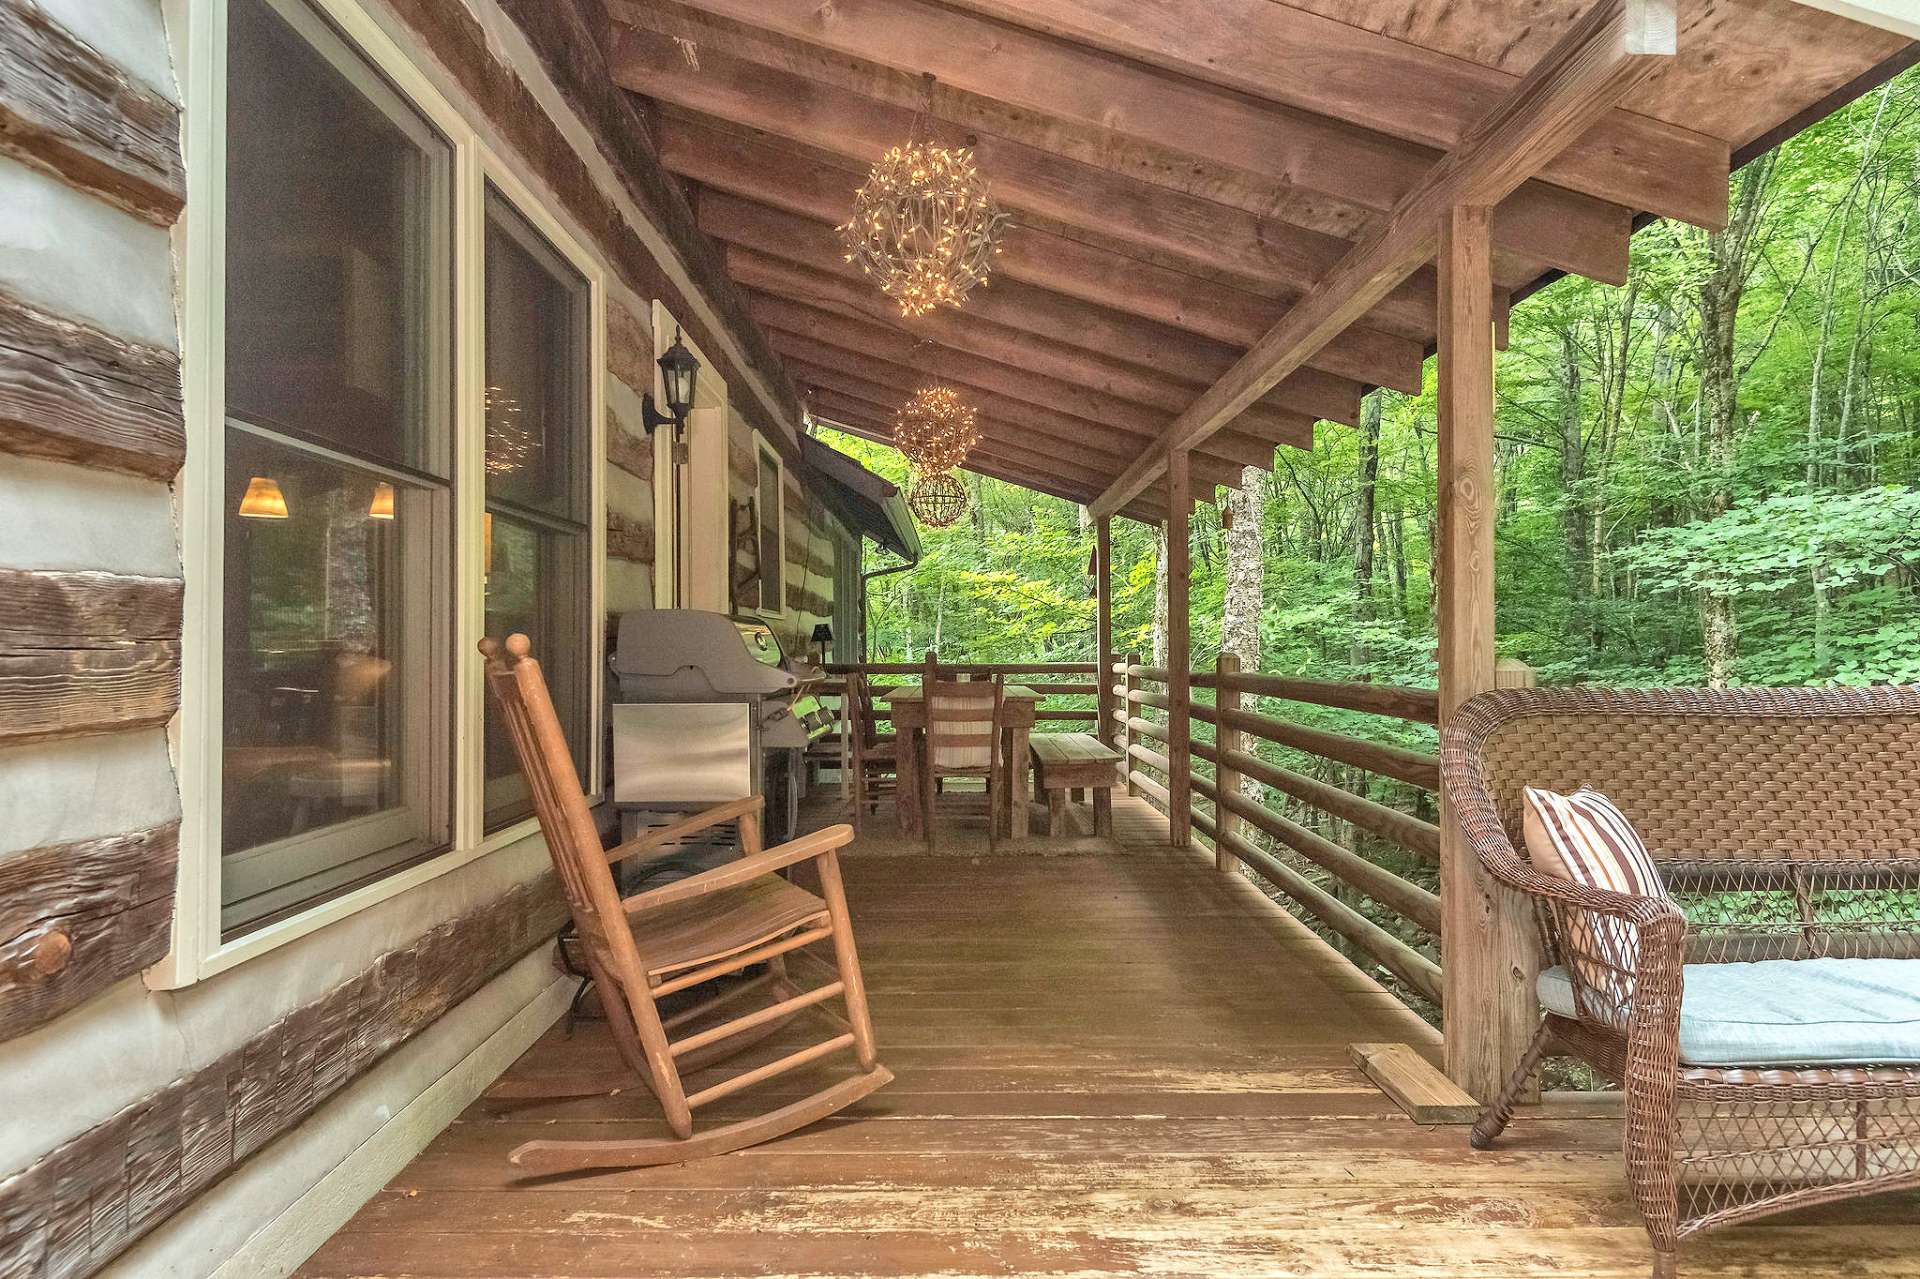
[1617,515]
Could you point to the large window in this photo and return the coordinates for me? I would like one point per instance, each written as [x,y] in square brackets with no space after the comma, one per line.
[336,636]
[390,371]
[539,343]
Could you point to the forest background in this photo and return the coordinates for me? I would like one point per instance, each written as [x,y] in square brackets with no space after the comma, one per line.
[1707,476]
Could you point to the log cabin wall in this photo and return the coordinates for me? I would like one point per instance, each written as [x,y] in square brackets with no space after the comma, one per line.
[194,1131]
[810,536]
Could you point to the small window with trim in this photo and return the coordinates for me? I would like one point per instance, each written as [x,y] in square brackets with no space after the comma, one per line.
[770,505]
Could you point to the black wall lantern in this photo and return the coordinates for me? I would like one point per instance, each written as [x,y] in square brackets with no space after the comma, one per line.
[679,370]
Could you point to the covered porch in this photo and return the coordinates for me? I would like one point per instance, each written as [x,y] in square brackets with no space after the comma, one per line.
[1111,1060]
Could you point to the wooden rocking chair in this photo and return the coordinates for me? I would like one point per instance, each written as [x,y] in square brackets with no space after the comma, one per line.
[679,936]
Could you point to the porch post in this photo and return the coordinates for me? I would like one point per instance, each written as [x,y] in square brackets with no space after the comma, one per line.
[1103,623]
[1179,652]
[1129,736]
[1487,936]
[1226,781]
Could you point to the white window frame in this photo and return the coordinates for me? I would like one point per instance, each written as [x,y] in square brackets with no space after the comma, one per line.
[197,951]
[762,450]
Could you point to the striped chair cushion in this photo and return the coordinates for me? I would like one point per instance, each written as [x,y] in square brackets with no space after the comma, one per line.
[1585,838]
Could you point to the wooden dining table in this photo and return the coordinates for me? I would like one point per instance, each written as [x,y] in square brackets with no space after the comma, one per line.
[908,707]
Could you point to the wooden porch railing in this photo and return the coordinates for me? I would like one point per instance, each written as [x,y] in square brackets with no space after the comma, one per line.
[1064,700]
[1233,753]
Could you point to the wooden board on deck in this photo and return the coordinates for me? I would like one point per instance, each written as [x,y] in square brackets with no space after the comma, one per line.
[1427,1096]
[1111,1061]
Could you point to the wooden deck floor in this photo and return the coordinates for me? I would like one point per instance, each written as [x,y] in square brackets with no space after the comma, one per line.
[1111,1061]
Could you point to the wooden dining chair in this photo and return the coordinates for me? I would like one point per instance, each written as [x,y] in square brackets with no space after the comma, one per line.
[875,759]
[688,933]
[965,719]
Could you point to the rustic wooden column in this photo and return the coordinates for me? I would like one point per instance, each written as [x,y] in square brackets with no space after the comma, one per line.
[1225,780]
[1103,623]
[1179,651]
[1486,937]
[1129,736]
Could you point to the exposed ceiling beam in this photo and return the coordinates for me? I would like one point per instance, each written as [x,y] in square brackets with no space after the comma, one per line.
[1309,394]
[798,225]
[1613,47]
[1144,508]
[766,215]
[818,142]
[954,364]
[1284,53]
[1003,83]
[1036,312]
[1009,420]
[994,441]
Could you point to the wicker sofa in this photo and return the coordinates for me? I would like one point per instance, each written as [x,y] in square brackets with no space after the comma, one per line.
[1786,823]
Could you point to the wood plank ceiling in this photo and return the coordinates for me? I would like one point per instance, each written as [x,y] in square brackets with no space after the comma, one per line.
[1179,173]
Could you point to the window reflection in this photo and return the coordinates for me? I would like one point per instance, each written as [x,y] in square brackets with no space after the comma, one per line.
[321,628]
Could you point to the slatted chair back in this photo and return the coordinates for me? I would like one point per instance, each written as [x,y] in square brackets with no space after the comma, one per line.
[964,723]
[573,841]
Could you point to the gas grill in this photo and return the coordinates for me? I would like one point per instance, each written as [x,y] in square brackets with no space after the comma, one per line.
[706,709]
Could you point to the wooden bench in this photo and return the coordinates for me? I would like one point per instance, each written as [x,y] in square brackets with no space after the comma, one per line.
[1075,761]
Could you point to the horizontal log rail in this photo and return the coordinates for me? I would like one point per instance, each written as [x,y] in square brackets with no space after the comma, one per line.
[1416,768]
[1418,705]
[1049,686]
[1398,958]
[1398,828]
[965,668]
[1149,773]
[1385,887]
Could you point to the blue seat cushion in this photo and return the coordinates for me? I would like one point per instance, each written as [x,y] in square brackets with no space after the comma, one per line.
[1788,1012]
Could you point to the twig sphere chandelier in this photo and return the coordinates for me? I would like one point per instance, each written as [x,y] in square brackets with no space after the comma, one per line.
[938,500]
[936,429]
[924,227]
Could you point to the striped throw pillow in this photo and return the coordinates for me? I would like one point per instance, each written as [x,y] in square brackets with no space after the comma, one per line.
[1585,838]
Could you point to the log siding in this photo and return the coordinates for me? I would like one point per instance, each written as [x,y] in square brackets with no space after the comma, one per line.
[82,1204]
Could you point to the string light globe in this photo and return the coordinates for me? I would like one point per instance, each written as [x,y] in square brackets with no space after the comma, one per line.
[936,429]
[938,499]
[924,227]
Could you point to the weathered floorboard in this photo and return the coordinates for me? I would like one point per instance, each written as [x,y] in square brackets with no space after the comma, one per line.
[1110,1061]
[81,1204]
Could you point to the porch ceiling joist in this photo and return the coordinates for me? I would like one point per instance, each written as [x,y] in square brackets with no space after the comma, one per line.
[1040,480]
[1616,44]
[1297,58]
[1020,308]
[1155,393]
[1099,409]
[783,140]
[745,205]
[1112,452]
[782,191]
[1067,100]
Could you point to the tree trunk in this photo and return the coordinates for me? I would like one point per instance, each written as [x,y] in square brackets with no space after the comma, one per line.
[1246,584]
[1728,254]
[1160,596]
[1363,529]
[1576,518]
